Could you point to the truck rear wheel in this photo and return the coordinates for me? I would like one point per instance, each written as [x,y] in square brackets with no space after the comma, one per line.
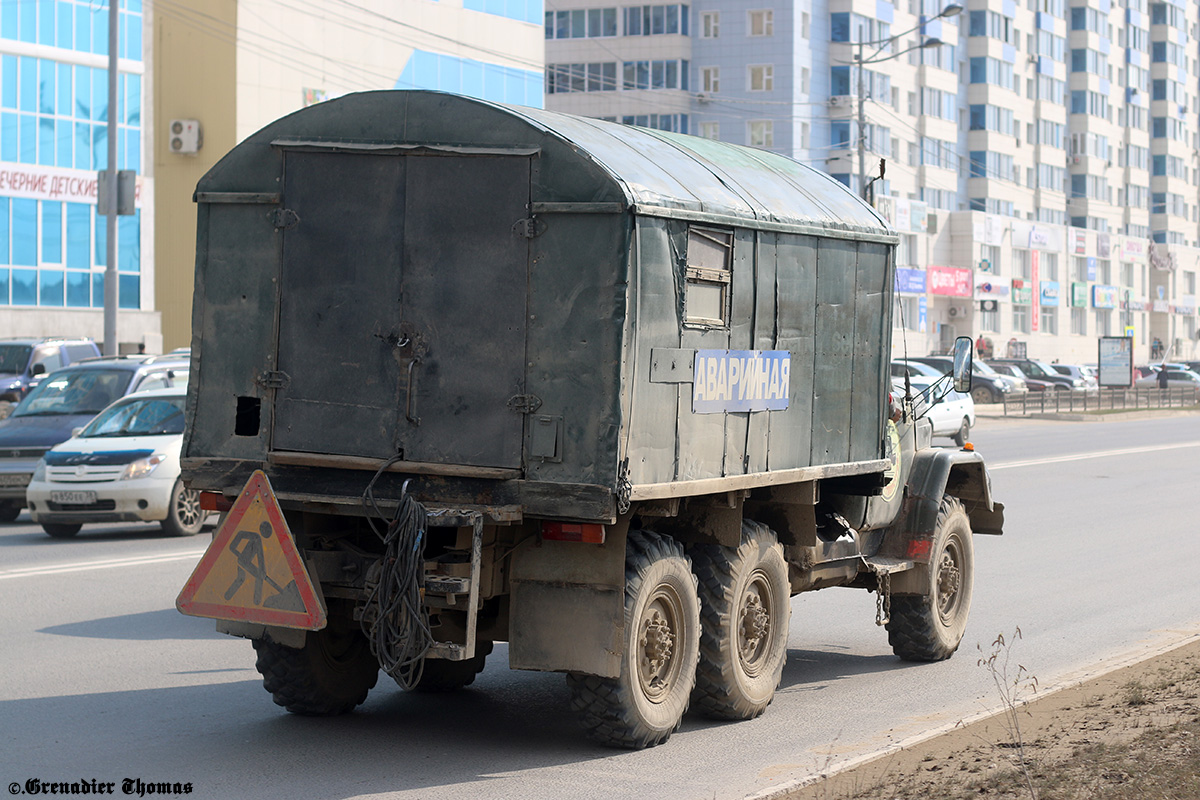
[744,613]
[330,675]
[439,675]
[929,626]
[645,704]
[9,511]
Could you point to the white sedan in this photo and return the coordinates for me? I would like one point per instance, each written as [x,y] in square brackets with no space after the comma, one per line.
[953,415]
[122,467]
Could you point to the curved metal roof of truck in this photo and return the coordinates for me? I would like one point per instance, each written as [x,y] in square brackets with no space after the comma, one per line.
[583,160]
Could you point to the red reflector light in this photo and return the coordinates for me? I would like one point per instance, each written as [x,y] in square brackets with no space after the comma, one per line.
[587,532]
[214,501]
[919,549]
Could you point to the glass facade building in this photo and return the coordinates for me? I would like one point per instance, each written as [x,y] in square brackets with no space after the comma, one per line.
[54,111]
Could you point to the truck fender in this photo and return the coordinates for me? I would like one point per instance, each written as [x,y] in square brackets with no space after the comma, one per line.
[567,607]
[935,473]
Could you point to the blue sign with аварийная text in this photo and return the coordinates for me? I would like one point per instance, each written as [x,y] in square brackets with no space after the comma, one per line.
[741,380]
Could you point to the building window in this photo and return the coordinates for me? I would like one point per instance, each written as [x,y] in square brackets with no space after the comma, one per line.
[990,321]
[710,130]
[762,77]
[581,23]
[678,123]
[1021,264]
[656,20]
[710,24]
[710,80]
[989,259]
[762,23]
[564,78]
[1079,321]
[1049,320]
[670,74]
[1048,266]
[709,255]
[1020,319]
[762,133]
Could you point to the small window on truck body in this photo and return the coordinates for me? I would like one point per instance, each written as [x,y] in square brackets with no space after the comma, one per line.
[709,255]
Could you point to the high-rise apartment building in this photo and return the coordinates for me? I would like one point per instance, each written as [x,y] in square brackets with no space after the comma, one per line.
[1041,157]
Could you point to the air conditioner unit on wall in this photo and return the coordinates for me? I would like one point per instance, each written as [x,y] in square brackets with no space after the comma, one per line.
[185,137]
[957,312]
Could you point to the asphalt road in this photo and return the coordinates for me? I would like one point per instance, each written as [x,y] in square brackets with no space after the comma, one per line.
[100,678]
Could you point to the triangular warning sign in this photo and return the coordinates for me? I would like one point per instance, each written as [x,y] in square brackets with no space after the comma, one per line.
[252,571]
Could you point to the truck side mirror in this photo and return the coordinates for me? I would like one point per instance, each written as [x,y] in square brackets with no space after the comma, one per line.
[962,364]
[38,369]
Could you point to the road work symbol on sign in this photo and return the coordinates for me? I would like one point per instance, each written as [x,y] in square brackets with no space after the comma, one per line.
[252,571]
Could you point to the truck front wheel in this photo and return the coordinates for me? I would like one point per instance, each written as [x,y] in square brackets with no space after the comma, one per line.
[745,608]
[930,625]
[330,675]
[644,705]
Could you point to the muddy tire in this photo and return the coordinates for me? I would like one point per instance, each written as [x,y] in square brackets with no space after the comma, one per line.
[330,675]
[61,530]
[184,515]
[645,704]
[744,612]
[9,511]
[964,432]
[439,675]
[929,626]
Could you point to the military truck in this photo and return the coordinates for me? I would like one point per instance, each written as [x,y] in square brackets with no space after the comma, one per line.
[608,394]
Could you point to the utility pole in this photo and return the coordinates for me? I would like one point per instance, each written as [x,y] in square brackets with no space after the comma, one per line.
[110,250]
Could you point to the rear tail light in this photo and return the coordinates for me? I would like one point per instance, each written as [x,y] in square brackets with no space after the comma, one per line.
[587,532]
[214,501]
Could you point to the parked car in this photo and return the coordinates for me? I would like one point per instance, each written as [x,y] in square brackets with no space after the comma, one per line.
[67,399]
[1175,377]
[122,467]
[24,361]
[987,385]
[1044,372]
[953,414]
[1085,374]
[1013,371]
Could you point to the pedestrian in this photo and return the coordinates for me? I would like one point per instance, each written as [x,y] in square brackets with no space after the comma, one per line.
[1162,376]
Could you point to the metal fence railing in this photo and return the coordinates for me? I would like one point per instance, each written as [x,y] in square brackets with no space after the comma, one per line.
[1130,399]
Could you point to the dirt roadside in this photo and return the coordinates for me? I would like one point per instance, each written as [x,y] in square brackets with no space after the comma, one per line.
[1132,734]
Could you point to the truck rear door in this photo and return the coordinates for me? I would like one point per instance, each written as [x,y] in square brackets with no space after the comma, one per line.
[402,306]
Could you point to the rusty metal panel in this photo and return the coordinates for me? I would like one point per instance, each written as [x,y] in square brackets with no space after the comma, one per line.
[758,429]
[577,302]
[873,288]
[465,289]
[834,349]
[701,441]
[649,427]
[339,305]
[795,306]
[388,267]
[741,337]
[237,265]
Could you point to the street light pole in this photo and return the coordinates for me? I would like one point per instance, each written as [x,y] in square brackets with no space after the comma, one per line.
[860,61]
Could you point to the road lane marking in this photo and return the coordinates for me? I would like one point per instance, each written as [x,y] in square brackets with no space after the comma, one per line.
[85,566]
[1085,456]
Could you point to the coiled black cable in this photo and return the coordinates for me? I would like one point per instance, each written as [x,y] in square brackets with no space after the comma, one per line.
[397,622]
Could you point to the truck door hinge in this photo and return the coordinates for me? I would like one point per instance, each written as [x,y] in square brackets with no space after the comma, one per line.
[529,227]
[524,403]
[274,380]
[284,219]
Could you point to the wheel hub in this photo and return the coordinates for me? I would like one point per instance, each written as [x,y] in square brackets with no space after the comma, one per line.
[658,645]
[755,624]
[949,582]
